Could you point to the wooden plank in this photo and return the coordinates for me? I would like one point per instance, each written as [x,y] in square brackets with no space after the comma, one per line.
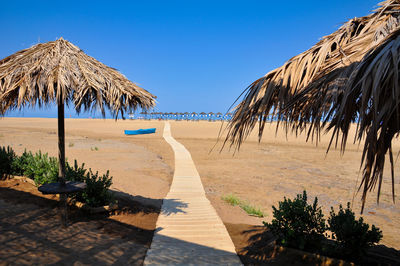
[189,230]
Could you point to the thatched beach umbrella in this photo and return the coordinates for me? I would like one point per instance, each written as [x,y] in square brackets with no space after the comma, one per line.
[308,91]
[60,72]
[372,94]
[179,115]
[194,116]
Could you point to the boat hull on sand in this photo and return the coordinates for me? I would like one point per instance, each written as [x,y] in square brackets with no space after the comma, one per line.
[140,131]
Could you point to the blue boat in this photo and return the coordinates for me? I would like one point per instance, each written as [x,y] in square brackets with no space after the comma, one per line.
[140,131]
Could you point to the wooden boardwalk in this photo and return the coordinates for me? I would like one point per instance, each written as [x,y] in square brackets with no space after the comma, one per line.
[189,230]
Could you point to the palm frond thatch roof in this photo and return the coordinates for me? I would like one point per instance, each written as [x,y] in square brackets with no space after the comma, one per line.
[60,71]
[312,88]
[372,94]
[334,53]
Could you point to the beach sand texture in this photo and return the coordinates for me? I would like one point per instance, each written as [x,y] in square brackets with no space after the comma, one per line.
[259,173]
[142,166]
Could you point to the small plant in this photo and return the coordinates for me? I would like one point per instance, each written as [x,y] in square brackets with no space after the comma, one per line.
[94,149]
[231,199]
[75,173]
[247,207]
[297,224]
[96,193]
[41,168]
[252,210]
[71,144]
[352,236]
[7,156]
[20,162]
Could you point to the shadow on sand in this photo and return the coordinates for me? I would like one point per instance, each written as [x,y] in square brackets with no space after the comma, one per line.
[30,233]
[261,249]
[172,251]
[174,205]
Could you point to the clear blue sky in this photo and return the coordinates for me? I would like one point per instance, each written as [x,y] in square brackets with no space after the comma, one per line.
[193,55]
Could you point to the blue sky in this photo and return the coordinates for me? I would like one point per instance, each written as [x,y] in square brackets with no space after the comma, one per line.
[193,55]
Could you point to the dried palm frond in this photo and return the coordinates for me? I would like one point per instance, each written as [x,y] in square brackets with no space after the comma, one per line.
[313,80]
[372,94]
[60,72]
[324,88]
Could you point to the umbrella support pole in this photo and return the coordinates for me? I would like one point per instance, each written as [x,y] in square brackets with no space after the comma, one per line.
[69,187]
[62,188]
[61,144]
[61,163]
[63,210]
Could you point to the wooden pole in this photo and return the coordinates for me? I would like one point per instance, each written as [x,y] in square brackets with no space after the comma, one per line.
[61,163]
[61,144]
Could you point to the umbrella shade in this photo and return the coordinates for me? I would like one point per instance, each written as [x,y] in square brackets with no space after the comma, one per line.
[308,90]
[60,72]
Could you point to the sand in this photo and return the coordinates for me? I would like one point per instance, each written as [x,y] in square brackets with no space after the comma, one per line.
[261,174]
[141,165]
[30,231]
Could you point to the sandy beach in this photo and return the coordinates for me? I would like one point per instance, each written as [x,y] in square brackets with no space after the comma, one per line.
[142,165]
[283,166]
[260,173]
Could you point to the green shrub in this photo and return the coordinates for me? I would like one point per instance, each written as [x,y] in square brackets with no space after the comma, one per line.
[75,173]
[7,156]
[352,236]
[96,193]
[40,167]
[43,169]
[20,163]
[297,224]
